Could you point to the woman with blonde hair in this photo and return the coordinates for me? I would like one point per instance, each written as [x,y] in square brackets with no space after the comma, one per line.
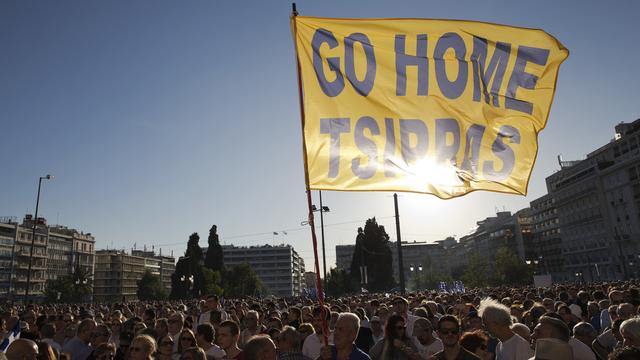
[143,347]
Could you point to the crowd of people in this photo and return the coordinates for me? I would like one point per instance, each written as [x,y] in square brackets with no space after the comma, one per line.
[579,321]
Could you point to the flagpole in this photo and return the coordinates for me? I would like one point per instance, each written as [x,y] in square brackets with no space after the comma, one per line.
[319,291]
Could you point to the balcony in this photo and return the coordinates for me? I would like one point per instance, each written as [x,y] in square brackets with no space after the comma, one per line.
[27,253]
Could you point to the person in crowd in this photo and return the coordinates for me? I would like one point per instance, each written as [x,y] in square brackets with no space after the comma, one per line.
[193,353]
[260,347]
[106,351]
[497,320]
[165,348]
[143,347]
[313,343]
[47,332]
[377,332]
[396,344]
[186,339]
[606,342]
[522,330]
[423,338]
[551,326]
[78,347]
[305,329]
[401,307]
[176,323]
[162,327]
[630,331]
[449,333]
[477,342]
[289,345]
[205,334]
[22,349]
[252,327]
[346,331]
[149,318]
[585,334]
[45,351]
[625,353]
[228,335]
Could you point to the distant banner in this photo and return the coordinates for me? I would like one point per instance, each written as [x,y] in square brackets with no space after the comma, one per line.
[430,106]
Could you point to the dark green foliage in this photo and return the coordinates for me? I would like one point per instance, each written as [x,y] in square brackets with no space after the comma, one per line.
[150,287]
[74,288]
[241,280]
[372,250]
[341,283]
[193,249]
[505,269]
[212,281]
[214,259]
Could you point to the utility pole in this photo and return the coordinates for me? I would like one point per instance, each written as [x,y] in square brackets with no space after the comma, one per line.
[399,241]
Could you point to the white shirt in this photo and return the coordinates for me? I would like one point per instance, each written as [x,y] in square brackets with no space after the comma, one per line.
[580,350]
[411,319]
[426,351]
[215,352]
[515,348]
[313,344]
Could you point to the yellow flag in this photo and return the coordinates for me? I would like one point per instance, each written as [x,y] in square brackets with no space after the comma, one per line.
[442,107]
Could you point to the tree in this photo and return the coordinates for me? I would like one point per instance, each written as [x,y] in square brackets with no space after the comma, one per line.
[240,280]
[212,282]
[214,259]
[74,288]
[508,269]
[476,272]
[372,250]
[341,283]
[194,251]
[150,287]
[180,284]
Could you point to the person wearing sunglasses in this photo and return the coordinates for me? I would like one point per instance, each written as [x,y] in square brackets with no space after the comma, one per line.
[477,342]
[186,340]
[142,348]
[105,351]
[165,348]
[395,345]
[449,333]
[424,339]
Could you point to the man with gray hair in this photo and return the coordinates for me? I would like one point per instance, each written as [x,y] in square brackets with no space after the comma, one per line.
[289,345]
[583,334]
[497,320]
[630,331]
[344,335]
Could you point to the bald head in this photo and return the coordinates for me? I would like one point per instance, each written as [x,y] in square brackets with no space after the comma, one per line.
[21,349]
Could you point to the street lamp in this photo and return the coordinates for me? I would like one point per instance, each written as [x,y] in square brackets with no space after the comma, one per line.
[322,210]
[33,235]
[416,275]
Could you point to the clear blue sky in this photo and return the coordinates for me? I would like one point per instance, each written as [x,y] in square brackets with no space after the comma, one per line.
[161,118]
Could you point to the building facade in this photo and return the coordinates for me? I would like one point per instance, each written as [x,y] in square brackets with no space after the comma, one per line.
[52,256]
[597,202]
[280,268]
[117,273]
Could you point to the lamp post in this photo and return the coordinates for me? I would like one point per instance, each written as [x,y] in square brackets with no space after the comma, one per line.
[322,210]
[416,275]
[33,235]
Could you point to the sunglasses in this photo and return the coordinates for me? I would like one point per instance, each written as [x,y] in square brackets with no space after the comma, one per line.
[186,339]
[400,327]
[136,349]
[449,331]
[165,343]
